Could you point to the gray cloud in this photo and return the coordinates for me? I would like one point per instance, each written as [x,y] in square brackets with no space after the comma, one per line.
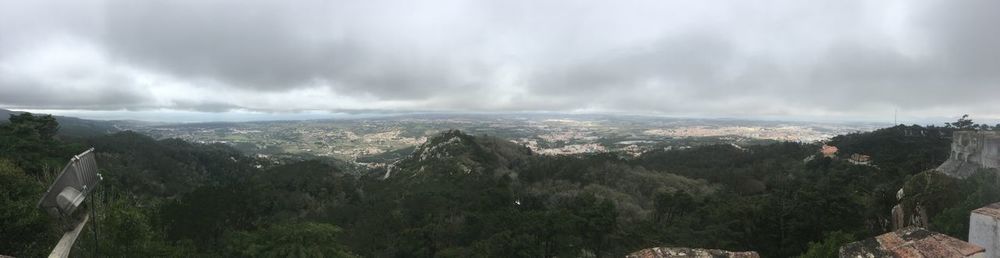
[276,46]
[817,58]
[688,61]
[28,93]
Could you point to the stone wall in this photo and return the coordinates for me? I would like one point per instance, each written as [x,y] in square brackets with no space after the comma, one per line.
[970,151]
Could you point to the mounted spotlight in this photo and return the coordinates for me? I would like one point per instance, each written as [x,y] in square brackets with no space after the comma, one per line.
[74,183]
[66,195]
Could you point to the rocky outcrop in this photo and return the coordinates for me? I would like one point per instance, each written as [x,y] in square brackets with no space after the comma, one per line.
[453,153]
[902,217]
[671,252]
[971,151]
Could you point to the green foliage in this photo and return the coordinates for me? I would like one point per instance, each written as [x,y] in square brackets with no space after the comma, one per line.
[931,190]
[30,126]
[28,150]
[125,229]
[976,191]
[23,226]
[672,205]
[453,152]
[212,188]
[167,168]
[206,214]
[900,150]
[963,123]
[830,246]
[29,142]
[740,170]
[300,240]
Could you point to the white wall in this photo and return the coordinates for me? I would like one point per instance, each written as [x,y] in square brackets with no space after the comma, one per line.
[984,231]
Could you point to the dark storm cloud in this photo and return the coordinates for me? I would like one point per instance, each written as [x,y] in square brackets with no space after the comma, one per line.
[274,46]
[246,45]
[848,58]
[30,94]
[958,68]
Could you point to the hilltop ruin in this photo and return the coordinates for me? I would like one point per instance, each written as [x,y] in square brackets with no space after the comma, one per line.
[971,151]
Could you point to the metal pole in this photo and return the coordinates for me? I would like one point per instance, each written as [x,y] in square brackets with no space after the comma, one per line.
[66,242]
[93,213]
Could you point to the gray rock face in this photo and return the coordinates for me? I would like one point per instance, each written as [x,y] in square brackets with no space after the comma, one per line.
[970,151]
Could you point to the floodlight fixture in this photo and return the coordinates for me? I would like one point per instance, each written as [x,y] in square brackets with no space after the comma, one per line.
[74,183]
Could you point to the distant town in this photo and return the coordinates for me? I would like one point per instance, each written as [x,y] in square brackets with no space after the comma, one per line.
[354,139]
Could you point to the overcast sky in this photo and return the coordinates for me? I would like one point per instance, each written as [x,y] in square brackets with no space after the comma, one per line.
[835,59]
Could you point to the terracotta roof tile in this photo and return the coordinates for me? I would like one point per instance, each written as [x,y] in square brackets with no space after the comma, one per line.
[931,247]
[889,241]
[960,246]
[910,242]
[906,252]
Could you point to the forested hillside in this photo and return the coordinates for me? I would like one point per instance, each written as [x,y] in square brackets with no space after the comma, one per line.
[72,126]
[460,195]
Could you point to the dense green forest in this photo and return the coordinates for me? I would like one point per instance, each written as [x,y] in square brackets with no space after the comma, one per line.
[460,195]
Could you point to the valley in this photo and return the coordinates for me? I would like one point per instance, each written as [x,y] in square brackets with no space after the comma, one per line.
[362,140]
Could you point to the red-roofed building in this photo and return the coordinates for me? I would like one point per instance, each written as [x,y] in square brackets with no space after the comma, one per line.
[828,151]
